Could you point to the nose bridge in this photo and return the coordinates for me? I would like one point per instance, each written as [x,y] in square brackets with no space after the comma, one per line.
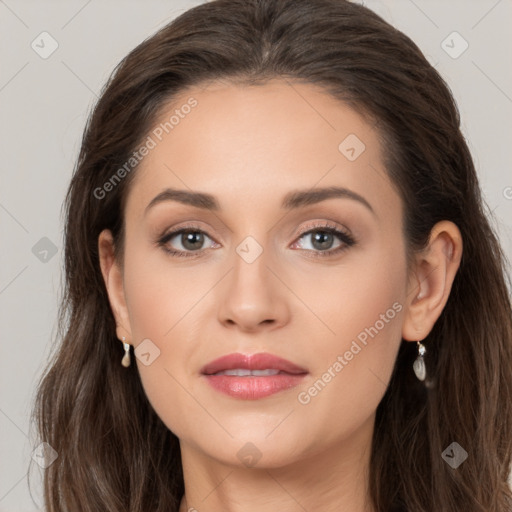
[251,259]
[252,244]
[253,295]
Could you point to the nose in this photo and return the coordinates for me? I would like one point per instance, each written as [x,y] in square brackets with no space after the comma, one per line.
[253,297]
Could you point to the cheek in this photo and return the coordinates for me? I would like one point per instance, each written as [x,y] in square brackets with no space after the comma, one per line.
[160,292]
[370,311]
[352,296]
[163,306]
[359,299]
[353,368]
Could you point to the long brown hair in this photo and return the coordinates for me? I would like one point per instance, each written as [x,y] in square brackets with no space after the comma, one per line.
[114,452]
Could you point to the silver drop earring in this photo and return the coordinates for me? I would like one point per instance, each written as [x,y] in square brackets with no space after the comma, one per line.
[419,365]
[126,358]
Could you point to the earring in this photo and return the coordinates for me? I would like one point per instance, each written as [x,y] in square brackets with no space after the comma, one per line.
[126,358]
[419,365]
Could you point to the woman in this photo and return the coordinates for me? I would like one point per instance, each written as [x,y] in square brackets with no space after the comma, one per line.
[282,289]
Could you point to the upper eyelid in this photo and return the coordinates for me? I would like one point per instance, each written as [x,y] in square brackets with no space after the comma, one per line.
[317,225]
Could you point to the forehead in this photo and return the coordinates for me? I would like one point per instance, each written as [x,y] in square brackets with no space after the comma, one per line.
[248,144]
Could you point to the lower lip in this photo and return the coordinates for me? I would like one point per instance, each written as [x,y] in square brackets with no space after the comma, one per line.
[253,388]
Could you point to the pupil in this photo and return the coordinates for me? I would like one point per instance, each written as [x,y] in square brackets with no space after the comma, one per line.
[321,237]
[191,238]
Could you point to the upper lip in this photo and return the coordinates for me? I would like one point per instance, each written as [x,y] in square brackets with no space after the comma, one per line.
[260,361]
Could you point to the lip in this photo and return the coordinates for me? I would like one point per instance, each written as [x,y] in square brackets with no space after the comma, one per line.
[252,387]
[260,361]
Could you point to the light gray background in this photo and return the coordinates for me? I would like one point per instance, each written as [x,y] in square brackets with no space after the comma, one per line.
[43,108]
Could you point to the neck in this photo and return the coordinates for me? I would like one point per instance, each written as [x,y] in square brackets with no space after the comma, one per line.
[328,481]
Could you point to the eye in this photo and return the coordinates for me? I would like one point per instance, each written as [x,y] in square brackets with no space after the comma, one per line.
[322,237]
[189,239]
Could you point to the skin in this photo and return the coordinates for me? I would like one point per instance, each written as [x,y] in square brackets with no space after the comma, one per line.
[249,146]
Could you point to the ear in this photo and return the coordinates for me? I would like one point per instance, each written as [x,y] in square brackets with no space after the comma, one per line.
[113,278]
[431,280]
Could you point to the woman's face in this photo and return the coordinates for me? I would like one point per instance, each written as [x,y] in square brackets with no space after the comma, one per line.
[261,272]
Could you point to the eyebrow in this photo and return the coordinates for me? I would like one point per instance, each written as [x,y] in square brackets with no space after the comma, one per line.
[293,200]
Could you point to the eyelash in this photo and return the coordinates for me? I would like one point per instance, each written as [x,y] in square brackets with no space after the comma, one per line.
[348,240]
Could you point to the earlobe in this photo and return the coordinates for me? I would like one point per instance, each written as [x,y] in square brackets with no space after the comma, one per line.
[432,280]
[113,279]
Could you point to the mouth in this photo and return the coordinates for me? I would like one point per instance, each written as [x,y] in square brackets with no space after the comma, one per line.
[251,377]
[242,372]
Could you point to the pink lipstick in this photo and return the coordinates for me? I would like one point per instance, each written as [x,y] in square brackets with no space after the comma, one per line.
[252,376]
